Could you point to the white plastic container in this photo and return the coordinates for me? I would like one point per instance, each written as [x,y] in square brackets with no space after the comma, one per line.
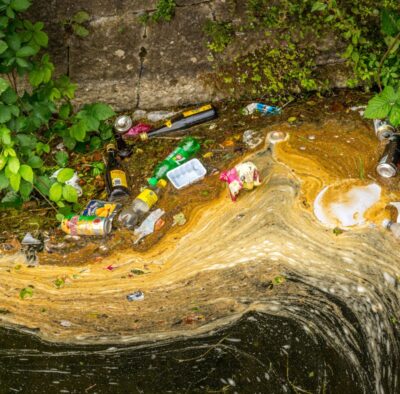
[186,174]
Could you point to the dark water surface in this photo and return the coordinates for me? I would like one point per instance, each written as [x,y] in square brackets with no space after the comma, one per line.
[258,354]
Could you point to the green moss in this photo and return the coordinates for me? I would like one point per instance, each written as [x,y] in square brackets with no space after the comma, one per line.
[289,32]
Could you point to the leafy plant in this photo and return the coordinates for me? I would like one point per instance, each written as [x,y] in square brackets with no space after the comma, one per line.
[164,12]
[60,190]
[77,25]
[386,104]
[220,35]
[32,119]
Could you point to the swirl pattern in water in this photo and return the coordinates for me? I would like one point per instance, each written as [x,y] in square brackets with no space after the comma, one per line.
[273,299]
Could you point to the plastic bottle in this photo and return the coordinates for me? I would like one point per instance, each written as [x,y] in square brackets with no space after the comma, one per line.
[264,109]
[393,227]
[131,216]
[187,148]
[116,178]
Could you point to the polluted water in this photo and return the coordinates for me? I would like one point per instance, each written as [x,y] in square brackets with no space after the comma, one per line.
[256,296]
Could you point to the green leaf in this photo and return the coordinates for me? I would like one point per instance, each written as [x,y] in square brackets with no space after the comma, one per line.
[22,62]
[35,162]
[3,46]
[13,41]
[4,182]
[55,192]
[26,140]
[65,175]
[390,94]
[318,6]
[43,184]
[64,111]
[4,85]
[394,116]
[26,173]
[70,194]
[78,131]
[9,96]
[69,142]
[41,38]
[81,17]
[15,181]
[3,161]
[389,22]
[13,165]
[378,108]
[79,30]
[61,158]
[26,51]
[5,113]
[26,292]
[20,5]
[95,143]
[102,111]
[25,189]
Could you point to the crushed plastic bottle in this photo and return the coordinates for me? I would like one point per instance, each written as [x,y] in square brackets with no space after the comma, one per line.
[263,109]
[148,225]
[131,215]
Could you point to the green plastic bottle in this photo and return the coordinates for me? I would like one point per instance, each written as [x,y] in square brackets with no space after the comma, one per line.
[187,148]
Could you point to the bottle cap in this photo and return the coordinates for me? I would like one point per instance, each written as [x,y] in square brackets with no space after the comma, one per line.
[162,183]
[153,181]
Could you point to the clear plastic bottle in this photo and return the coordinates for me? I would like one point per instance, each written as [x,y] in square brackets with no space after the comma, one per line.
[131,216]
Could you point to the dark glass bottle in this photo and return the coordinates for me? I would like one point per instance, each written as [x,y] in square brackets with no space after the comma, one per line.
[186,120]
[116,178]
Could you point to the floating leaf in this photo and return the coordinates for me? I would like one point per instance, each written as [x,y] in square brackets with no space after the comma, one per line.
[26,292]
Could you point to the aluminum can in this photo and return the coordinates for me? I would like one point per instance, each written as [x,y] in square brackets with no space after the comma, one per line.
[389,163]
[383,129]
[86,225]
[122,124]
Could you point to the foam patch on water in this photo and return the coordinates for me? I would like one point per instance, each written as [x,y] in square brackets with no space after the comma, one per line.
[348,208]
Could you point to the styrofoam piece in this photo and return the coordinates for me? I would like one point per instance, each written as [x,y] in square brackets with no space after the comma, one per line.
[186,174]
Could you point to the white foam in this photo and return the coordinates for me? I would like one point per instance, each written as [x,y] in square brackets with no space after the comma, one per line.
[350,212]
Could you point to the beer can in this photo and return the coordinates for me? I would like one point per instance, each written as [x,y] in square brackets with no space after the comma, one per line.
[383,129]
[389,162]
[86,225]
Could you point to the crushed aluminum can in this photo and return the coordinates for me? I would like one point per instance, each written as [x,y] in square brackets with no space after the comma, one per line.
[86,225]
[30,247]
[383,129]
[263,109]
[136,296]
[242,176]
[138,130]
[388,165]
[103,209]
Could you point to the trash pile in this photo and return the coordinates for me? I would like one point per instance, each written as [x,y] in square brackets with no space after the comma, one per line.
[180,168]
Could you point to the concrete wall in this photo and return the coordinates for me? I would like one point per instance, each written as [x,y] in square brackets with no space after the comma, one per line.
[130,65]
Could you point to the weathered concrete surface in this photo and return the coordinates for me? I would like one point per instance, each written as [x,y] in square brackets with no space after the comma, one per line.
[130,65]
